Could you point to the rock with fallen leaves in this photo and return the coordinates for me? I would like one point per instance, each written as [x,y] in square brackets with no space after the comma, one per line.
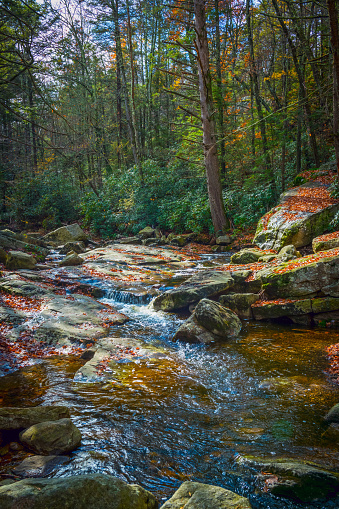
[15,418]
[303,213]
[205,496]
[19,260]
[52,437]
[202,285]
[249,255]
[92,491]
[70,233]
[302,480]
[325,242]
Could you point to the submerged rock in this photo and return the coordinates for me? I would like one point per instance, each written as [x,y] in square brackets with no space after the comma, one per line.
[333,414]
[200,286]
[39,466]
[301,480]
[291,222]
[17,418]
[195,495]
[52,437]
[92,491]
[70,233]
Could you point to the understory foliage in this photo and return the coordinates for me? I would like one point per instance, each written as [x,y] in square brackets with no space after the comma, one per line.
[100,113]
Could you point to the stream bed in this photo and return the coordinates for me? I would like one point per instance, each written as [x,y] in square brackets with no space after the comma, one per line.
[190,414]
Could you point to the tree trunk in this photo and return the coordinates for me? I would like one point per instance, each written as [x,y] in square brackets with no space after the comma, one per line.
[333,16]
[218,214]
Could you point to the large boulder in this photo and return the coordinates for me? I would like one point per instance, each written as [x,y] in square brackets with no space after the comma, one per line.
[210,322]
[202,285]
[307,276]
[21,242]
[70,233]
[18,260]
[301,480]
[17,418]
[77,247]
[52,437]
[325,242]
[195,495]
[279,308]
[146,233]
[92,491]
[303,213]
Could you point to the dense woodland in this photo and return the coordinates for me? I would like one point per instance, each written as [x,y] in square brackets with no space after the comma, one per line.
[116,111]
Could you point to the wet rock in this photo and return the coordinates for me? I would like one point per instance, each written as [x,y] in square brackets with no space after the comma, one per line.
[306,276]
[92,491]
[240,303]
[325,242]
[277,229]
[223,240]
[194,495]
[246,256]
[17,418]
[209,322]
[14,285]
[301,480]
[77,247]
[205,284]
[18,260]
[52,437]
[71,260]
[287,253]
[278,309]
[146,233]
[70,233]
[278,384]
[15,446]
[39,466]
[333,414]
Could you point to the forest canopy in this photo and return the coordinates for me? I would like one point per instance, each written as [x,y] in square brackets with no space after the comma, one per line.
[102,114]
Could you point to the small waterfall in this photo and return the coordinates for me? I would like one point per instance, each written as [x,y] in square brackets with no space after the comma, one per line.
[129,297]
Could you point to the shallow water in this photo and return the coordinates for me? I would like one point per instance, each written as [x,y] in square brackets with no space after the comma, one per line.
[188,415]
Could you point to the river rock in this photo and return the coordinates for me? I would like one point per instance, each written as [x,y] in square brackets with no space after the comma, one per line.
[240,303]
[70,233]
[205,284]
[217,319]
[303,480]
[21,242]
[71,260]
[17,418]
[267,258]
[209,322]
[146,233]
[52,437]
[195,495]
[14,285]
[305,276]
[246,256]
[280,308]
[129,240]
[181,240]
[39,466]
[223,240]
[3,255]
[18,260]
[92,491]
[325,242]
[77,247]
[333,414]
[289,222]
[243,283]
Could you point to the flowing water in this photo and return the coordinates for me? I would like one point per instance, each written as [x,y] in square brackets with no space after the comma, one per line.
[190,414]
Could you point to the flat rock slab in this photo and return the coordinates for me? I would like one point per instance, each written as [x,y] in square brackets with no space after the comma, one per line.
[15,285]
[39,466]
[112,352]
[325,242]
[303,213]
[93,491]
[18,418]
[202,285]
[195,495]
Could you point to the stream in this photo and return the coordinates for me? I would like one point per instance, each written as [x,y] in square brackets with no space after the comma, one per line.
[190,414]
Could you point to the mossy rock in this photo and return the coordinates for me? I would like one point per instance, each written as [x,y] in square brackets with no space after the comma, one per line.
[278,309]
[240,303]
[324,243]
[246,256]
